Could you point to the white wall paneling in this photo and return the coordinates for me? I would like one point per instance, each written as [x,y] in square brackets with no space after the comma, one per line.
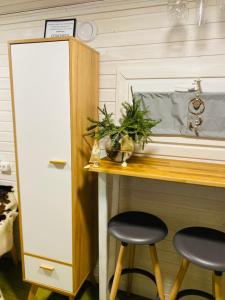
[4,61]
[6,136]
[135,37]
[158,35]
[176,49]
[5,127]
[7,7]
[180,206]
[6,116]
[5,106]
[9,147]
[4,72]
[4,83]
[106,82]
[107,95]
[5,95]
[3,49]
[110,106]
[88,11]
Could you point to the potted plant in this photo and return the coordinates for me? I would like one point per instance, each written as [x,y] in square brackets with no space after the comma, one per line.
[134,127]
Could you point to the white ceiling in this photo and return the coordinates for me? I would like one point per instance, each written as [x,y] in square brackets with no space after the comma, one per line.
[14,6]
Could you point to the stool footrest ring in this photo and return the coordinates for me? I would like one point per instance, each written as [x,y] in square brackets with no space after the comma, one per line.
[136,271]
[194,292]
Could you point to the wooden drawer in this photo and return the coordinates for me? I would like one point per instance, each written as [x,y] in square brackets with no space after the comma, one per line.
[50,274]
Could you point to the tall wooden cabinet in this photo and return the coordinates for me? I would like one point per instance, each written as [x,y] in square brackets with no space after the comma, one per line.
[54,85]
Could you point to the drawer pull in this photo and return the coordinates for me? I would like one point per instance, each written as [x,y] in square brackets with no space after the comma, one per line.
[47,268]
[57,162]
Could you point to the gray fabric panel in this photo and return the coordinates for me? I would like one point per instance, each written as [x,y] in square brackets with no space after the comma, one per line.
[172,109]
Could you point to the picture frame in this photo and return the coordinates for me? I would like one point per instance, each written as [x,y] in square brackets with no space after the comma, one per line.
[60,28]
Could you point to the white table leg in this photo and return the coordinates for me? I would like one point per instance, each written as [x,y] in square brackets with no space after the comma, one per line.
[102,229]
[114,211]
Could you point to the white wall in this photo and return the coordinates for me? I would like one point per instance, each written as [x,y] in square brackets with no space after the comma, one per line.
[134,33]
[14,6]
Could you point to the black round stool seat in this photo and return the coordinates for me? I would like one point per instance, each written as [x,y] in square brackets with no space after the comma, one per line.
[202,246]
[138,228]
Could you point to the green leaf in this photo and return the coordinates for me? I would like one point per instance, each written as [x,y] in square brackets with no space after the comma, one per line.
[134,123]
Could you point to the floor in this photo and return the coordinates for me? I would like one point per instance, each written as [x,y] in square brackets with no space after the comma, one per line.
[14,289]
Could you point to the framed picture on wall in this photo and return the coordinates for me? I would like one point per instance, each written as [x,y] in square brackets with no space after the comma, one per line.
[60,28]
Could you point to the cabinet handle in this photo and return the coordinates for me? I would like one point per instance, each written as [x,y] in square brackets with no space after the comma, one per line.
[47,267]
[57,162]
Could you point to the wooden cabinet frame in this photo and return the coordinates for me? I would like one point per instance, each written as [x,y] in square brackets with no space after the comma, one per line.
[83,74]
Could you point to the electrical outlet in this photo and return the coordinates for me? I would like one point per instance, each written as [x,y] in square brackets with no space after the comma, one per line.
[5,166]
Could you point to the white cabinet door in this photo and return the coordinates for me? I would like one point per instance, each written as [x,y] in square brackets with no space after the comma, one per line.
[42,115]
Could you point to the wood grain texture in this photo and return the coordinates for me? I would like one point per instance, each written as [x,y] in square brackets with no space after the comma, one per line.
[218,287]
[44,40]
[179,279]
[157,271]
[119,268]
[167,170]
[32,292]
[84,101]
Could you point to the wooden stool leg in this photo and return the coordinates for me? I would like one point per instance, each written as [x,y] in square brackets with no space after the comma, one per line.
[179,279]
[32,292]
[157,272]
[218,285]
[131,265]
[119,267]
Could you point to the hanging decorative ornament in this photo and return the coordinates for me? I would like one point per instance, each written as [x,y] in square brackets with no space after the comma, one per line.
[196,107]
[201,6]
[177,11]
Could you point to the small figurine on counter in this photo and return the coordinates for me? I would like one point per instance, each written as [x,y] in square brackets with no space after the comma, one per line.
[95,154]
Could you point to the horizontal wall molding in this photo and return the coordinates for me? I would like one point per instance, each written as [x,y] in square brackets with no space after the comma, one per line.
[112,67]
[176,49]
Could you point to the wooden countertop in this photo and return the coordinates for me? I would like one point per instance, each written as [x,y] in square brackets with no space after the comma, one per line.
[208,174]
